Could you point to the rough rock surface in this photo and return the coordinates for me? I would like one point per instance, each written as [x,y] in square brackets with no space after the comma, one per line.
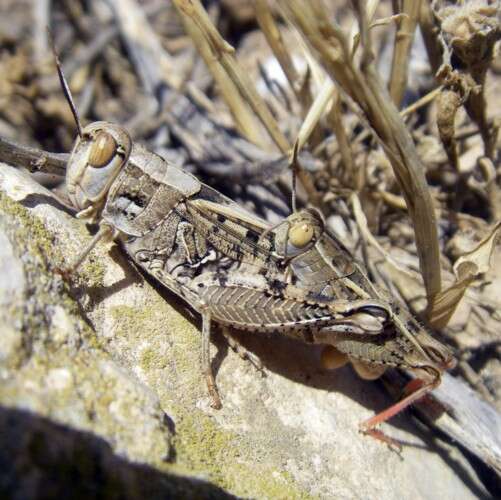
[102,394]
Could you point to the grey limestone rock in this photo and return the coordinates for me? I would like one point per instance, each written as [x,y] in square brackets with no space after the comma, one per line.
[101,392]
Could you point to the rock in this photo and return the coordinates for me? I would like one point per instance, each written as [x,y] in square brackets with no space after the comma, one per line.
[101,383]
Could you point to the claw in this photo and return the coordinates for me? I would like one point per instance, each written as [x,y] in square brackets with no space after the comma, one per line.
[214,395]
[393,444]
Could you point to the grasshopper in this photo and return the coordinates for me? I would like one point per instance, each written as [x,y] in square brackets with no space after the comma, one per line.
[319,264]
[192,239]
[229,265]
[197,243]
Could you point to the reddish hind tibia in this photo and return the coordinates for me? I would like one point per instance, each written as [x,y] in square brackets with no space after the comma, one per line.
[415,390]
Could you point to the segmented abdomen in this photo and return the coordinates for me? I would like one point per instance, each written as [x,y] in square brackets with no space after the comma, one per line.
[250,309]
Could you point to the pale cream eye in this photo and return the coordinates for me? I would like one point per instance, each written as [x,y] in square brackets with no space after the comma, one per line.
[301,234]
[102,150]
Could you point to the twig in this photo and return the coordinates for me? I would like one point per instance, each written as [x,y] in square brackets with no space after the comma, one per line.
[430,33]
[336,122]
[273,36]
[41,15]
[245,120]
[423,101]
[327,94]
[93,49]
[144,46]
[34,159]
[467,419]
[366,89]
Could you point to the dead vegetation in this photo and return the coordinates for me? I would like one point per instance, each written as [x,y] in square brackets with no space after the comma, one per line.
[397,127]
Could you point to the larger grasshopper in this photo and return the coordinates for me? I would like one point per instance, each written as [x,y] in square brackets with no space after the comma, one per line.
[199,244]
[232,267]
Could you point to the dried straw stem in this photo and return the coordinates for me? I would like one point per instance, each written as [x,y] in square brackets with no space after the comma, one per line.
[403,44]
[430,32]
[275,41]
[245,120]
[219,57]
[329,93]
[366,89]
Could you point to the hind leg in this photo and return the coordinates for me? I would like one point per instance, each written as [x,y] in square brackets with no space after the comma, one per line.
[206,361]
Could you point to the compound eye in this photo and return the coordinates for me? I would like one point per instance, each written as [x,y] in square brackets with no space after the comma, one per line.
[102,150]
[301,234]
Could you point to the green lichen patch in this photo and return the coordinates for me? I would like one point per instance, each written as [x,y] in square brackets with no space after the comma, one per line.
[30,232]
[45,289]
[222,457]
[151,359]
[173,346]
[44,246]
[92,271]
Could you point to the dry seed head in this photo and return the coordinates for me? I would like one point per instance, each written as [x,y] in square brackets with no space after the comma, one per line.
[471,30]
[465,21]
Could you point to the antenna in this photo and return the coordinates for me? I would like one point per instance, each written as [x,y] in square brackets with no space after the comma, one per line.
[294,166]
[64,84]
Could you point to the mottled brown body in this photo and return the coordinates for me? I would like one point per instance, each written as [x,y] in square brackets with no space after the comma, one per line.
[327,273]
[232,267]
[200,244]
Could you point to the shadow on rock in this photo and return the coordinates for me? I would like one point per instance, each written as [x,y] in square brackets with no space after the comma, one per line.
[40,459]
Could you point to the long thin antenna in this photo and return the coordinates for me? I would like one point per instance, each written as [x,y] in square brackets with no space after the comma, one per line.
[294,167]
[64,84]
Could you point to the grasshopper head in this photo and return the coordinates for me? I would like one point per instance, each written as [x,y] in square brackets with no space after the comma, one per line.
[431,358]
[100,152]
[302,231]
[97,158]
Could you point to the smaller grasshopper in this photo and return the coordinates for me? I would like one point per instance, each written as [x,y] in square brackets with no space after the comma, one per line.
[319,263]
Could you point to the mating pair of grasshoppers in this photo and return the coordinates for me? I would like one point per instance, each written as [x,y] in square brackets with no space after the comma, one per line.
[234,269]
